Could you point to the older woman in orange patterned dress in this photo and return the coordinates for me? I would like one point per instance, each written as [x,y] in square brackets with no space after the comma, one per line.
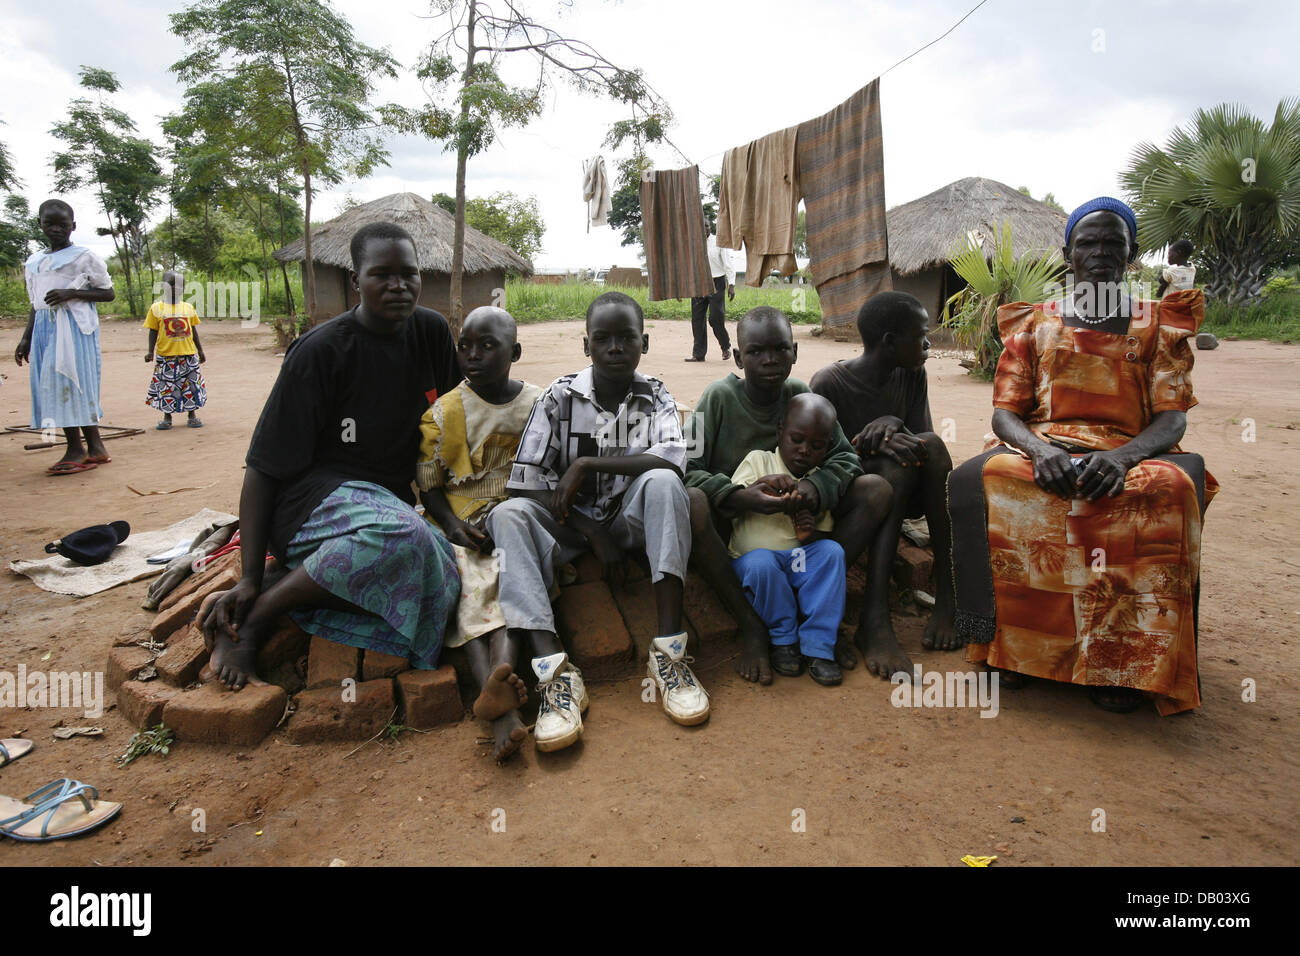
[1076,537]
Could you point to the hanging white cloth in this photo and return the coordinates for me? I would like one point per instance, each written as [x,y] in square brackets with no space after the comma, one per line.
[595,192]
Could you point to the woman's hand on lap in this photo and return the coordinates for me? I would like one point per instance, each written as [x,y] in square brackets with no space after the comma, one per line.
[1103,474]
[1054,470]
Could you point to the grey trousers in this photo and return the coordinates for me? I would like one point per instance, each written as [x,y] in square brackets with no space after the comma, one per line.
[655,515]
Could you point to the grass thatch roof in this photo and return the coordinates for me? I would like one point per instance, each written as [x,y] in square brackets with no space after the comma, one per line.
[431,226]
[924,232]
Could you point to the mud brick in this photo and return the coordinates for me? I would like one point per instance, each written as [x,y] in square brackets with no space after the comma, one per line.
[184,657]
[709,619]
[172,617]
[913,566]
[203,581]
[329,663]
[592,629]
[636,603]
[134,629]
[375,665]
[213,715]
[141,703]
[429,698]
[323,714]
[124,663]
[287,644]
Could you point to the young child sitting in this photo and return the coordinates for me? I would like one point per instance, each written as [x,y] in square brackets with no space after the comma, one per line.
[1179,275]
[882,400]
[734,416]
[177,384]
[468,440]
[599,466]
[790,566]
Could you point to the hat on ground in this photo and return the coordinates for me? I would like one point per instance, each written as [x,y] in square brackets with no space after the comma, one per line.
[90,545]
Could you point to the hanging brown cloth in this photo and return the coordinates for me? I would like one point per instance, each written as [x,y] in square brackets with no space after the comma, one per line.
[758,204]
[672,231]
[840,159]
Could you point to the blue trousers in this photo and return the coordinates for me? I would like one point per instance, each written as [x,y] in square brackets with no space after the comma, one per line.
[799,593]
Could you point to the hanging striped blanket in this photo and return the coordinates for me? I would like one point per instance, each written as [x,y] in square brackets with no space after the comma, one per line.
[672,230]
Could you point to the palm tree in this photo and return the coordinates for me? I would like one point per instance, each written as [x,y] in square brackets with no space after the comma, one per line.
[1228,183]
[994,278]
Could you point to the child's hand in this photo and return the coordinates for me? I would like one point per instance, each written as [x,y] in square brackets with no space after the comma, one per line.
[467,536]
[877,433]
[805,498]
[805,525]
[202,358]
[148,356]
[757,498]
[778,484]
[568,488]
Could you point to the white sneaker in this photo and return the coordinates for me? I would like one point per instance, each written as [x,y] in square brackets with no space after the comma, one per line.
[563,698]
[685,701]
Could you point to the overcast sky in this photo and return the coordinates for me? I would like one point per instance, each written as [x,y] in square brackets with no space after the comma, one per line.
[1049,95]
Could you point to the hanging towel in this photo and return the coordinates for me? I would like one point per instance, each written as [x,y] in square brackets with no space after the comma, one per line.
[759,204]
[595,192]
[672,230]
[840,159]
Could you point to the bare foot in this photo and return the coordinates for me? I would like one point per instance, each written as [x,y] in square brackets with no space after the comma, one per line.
[509,732]
[940,634]
[880,649]
[753,663]
[235,664]
[502,692]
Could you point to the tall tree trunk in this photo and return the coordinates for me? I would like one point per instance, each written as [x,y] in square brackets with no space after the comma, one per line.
[284,269]
[462,149]
[308,267]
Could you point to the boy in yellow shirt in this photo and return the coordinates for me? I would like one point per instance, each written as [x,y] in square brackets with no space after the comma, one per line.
[177,384]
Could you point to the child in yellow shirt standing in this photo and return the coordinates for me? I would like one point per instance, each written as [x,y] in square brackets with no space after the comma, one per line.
[177,384]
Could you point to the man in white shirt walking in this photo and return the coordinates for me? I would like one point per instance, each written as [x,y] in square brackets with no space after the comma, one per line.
[724,277]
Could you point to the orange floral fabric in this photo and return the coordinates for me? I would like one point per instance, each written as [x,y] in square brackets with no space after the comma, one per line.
[1098,593]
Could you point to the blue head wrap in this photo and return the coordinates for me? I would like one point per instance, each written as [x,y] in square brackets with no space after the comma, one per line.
[1104,204]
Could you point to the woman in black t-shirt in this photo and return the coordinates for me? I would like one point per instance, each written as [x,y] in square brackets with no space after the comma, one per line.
[328,481]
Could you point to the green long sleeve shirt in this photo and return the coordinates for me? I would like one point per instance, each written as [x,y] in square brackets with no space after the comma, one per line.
[726,426]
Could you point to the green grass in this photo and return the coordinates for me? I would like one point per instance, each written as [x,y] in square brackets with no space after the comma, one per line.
[1275,319]
[537,302]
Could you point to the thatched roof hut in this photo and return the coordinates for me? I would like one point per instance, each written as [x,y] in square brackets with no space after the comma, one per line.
[432,227]
[923,232]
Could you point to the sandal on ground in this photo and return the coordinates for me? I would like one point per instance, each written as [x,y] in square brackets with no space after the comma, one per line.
[69,468]
[827,673]
[1130,699]
[103,459]
[64,808]
[786,660]
[163,425]
[11,748]
[193,423]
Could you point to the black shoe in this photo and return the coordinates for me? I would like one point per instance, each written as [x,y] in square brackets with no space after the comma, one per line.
[786,660]
[827,673]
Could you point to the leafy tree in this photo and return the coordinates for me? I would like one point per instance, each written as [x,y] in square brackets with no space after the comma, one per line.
[123,169]
[1049,199]
[467,54]
[1231,185]
[8,178]
[505,217]
[18,229]
[292,66]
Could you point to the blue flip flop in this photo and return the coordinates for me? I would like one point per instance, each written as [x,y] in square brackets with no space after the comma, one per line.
[11,748]
[52,812]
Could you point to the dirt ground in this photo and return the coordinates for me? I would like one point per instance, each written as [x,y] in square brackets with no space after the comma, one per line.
[876,784]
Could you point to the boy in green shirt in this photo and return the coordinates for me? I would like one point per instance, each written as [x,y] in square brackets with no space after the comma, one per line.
[736,415]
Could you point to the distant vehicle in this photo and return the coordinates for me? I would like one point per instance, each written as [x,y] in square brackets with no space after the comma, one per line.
[600,276]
